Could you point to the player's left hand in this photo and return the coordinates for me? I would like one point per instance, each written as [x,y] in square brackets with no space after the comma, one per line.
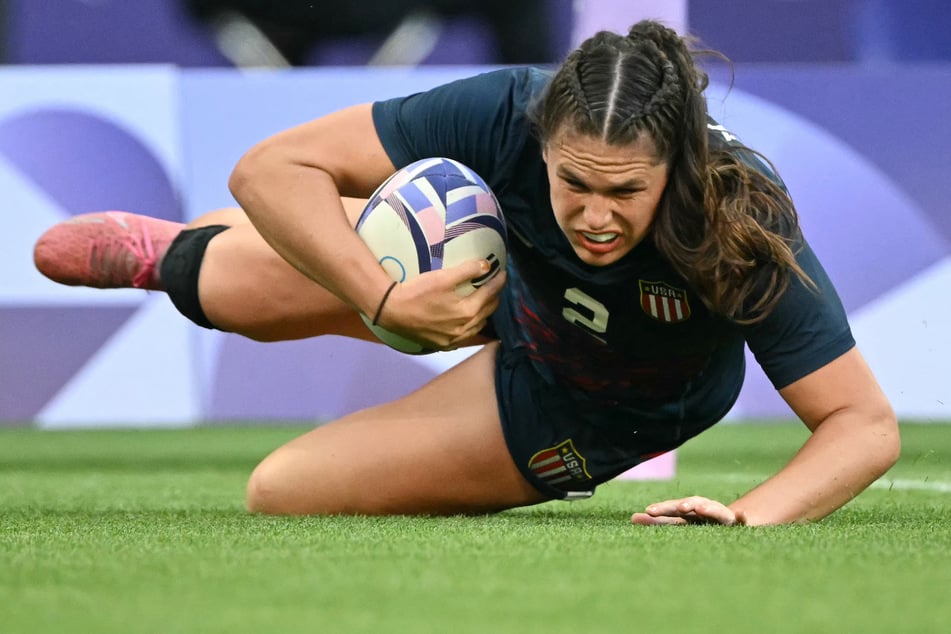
[690,510]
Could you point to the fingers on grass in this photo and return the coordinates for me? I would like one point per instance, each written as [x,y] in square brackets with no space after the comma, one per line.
[643,519]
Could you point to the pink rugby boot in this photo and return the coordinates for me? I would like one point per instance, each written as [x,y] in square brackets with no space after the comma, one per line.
[109,249]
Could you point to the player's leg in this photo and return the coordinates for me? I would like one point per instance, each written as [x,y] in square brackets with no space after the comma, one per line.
[232,275]
[111,249]
[228,216]
[116,249]
[439,451]
[244,286]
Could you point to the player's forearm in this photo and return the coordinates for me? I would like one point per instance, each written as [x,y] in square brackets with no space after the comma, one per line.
[841,459]
[297,210]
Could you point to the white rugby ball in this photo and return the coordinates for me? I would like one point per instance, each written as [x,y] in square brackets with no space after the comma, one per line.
[432,214]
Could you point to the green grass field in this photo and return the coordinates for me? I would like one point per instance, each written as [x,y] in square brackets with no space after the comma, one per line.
[144,531]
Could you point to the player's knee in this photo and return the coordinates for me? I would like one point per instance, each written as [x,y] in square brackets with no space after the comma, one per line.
[282,485]
[269,491]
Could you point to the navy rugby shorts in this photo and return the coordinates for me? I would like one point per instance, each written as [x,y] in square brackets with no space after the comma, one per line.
[565,444]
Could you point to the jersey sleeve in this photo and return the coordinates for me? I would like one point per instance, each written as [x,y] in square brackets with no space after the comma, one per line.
[807,329]
[478,121]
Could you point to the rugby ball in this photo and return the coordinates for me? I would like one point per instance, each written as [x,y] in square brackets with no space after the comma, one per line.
[432,214]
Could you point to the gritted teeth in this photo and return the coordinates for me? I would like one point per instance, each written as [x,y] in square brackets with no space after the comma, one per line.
[599,237]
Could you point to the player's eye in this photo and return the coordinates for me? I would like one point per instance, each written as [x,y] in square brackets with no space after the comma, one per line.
[575,185]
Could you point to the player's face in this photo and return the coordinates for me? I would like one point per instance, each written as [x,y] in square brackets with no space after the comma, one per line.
[605,197]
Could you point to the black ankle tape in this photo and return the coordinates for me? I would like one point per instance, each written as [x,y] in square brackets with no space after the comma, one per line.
[180,268]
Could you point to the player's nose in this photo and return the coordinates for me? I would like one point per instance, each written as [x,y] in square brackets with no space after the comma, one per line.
[597,211]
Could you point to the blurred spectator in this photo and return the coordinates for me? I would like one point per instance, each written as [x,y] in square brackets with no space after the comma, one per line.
[266,33]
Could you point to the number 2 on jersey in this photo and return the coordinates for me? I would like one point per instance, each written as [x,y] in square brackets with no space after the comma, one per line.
[585,312]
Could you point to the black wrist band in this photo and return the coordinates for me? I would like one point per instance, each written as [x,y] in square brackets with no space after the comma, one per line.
[379,309]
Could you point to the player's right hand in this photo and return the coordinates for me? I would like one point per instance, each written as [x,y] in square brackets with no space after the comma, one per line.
[429,309]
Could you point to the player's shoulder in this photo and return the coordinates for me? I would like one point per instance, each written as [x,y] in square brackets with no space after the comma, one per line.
[502,95]
[520,85]
[530,76]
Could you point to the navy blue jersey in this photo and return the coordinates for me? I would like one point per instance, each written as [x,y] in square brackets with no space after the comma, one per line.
[631,335]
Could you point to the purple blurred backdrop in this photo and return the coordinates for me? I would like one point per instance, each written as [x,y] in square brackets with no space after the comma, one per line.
[163,31]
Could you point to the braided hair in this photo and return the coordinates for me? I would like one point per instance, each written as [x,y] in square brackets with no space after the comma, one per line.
[727,228]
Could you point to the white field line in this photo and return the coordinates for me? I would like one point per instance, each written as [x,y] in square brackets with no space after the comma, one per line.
[913,485]
[899,484]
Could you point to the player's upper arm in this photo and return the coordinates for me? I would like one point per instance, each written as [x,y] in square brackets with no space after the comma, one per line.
[343,144]
[807,329]
[846,383]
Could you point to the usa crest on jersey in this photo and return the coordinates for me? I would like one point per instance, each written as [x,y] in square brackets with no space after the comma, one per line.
[559,464]
[664,302]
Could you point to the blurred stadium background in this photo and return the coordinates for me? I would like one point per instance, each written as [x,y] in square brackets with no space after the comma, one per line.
[146,105]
